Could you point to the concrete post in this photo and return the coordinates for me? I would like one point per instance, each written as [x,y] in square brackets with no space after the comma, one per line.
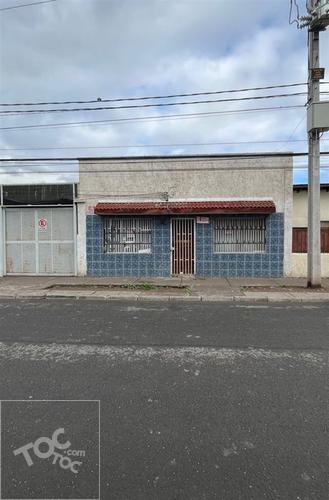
[314,239]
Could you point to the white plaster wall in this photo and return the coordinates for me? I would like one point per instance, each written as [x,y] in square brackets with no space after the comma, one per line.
[299,219]
[186,178]
[288,209]
[300,205]
[2,238]
[299,265]
[81,240]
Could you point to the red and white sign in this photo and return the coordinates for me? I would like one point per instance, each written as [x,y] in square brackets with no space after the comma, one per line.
[42,224]
[202,220]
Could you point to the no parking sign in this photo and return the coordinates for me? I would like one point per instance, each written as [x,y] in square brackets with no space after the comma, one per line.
[42,224]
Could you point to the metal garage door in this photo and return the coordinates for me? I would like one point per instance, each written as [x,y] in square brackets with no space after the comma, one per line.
[40,241]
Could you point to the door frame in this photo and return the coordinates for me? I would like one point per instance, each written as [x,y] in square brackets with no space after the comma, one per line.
[184,217]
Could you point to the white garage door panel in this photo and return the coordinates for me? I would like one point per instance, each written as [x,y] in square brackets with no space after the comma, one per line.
[13,225]
[28,258]
[28,224]
[63,257]
[40,241]
[45,258]
[63,225]
[13,258]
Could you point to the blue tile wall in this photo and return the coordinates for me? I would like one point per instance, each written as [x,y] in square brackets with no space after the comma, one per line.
[156,263]
[208,263]
[241,265]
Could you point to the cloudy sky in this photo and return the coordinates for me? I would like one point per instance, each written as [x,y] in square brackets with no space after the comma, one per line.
[71,50]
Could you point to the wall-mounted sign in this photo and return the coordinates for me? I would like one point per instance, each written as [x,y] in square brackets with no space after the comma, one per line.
[90,209]
[317,74]
[202,220]
[42,224]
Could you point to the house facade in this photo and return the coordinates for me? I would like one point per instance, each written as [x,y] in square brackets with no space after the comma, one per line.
[299,230]
[208,216]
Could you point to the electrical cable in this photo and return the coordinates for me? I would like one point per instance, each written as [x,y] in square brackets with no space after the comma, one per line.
[177,116]
[192,169]
[294,131]
[153,105]
[296,20]
[26,5]
[168,96]
[189,158]
[182,144]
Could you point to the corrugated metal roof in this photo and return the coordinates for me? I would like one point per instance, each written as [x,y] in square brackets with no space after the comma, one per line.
[186,207]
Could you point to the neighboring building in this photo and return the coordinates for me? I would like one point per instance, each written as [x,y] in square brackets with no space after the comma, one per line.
[300,217]
[38,229]
[209,216]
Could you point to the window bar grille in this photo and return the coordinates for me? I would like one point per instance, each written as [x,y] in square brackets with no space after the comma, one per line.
[240,235]
[127,235]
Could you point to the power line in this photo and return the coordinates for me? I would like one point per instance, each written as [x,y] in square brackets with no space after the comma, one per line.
[192,169]
[153,105]
[168,96]
[189,158]
[299,123]
[27,5]
[58,163]
[178,116]
[74,166]
[296,20]
[182,144]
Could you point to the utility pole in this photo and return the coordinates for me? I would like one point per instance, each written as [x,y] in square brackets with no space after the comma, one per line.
[313,234]
[317,121]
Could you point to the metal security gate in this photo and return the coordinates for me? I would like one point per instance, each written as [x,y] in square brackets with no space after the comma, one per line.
[183,246]
[40,241]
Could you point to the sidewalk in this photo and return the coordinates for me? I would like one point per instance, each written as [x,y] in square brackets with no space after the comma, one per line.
[172,289]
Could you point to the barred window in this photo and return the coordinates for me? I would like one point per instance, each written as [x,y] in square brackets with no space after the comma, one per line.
[127,235]
[239,234]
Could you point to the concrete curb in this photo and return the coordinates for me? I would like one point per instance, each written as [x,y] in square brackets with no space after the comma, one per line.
[282,297]
[217,298]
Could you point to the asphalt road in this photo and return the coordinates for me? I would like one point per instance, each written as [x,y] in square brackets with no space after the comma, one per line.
[197,401]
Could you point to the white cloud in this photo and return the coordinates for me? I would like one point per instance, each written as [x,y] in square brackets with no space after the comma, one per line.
[82,49]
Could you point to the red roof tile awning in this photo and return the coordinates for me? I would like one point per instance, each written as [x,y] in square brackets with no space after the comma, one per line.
[187,207]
